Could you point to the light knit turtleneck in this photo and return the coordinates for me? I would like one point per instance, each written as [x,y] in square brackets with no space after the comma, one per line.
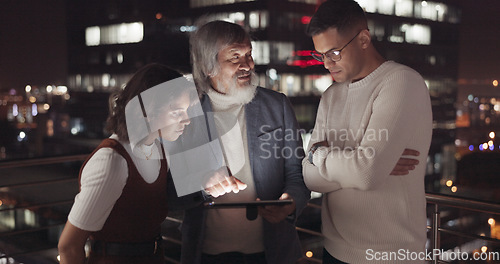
[226,227]
[224,102]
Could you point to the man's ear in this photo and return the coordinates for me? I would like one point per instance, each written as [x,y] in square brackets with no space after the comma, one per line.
[212,74]
[365,38]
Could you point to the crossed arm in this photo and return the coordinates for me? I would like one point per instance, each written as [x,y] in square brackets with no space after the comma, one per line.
[356,167]
[403,166]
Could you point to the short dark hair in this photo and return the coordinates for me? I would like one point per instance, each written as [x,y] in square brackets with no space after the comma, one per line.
[206,42]
[145,78]
[344,15]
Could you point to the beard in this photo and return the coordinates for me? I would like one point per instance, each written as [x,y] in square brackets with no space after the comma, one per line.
[240,94]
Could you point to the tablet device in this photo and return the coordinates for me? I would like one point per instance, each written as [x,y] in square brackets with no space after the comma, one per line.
[215,204]
[251,206]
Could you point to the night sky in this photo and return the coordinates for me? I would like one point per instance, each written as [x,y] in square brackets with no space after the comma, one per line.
[480,39]
[33,42]
[479,52]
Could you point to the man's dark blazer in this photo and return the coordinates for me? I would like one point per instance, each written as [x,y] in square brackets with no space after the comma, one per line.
[276,153]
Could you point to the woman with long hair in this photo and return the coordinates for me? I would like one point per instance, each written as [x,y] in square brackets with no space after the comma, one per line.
[123,184]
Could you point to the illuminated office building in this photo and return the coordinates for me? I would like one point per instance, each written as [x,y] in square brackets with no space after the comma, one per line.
[109,40]
[421,34]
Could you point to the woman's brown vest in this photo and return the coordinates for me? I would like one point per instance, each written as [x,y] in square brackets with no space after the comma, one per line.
[142,207]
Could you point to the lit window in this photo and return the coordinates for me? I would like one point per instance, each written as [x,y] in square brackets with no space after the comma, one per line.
[50,127]
[114,34]
[441,9]
[78,80]
[376,30]
[370,6]
[386,7]
[418,34]
[282,51]
[432,59]
[237,18]
[254,20]
[34,110]
[119,57]
[260,52]
[105,79]
[131,33]
[397,33]
[258,19]
[429,11]
[409,8]
[92,36]
[396,39]
[109,58]
[187,28]
[202,3]
[404,8]
[264,17]
[15,111]
[426,10]
[265,52]
[290,84]
[29,218]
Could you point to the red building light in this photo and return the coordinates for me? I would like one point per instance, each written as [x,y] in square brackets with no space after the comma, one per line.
[305,63]
[306,53]
[305,20]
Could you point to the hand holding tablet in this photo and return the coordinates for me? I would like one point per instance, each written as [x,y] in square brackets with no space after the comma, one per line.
[272,210]
[215,204]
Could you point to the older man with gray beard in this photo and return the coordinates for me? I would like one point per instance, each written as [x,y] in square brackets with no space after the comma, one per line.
[251,122]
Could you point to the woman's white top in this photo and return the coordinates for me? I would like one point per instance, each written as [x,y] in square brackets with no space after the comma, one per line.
[103,179]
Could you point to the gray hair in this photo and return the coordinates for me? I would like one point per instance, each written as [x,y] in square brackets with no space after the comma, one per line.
[206,42]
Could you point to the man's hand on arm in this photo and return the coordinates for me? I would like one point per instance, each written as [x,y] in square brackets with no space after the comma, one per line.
[277,213]
[313,148]
[323,143]
[405,165]
[402,167]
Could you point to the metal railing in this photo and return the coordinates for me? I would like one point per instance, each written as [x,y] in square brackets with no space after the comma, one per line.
[437,201]
[19,204]
[41,161]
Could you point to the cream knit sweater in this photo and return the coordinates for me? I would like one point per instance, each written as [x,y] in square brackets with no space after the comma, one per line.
[368,124]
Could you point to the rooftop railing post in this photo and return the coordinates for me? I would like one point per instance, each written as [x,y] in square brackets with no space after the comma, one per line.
[436,244]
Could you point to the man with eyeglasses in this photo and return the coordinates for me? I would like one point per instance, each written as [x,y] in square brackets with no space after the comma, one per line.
[376,114]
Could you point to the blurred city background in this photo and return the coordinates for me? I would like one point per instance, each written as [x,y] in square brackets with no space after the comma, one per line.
[60,60]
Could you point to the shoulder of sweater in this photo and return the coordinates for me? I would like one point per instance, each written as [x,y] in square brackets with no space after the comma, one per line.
[332,88]
[387,73]
[395,68]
